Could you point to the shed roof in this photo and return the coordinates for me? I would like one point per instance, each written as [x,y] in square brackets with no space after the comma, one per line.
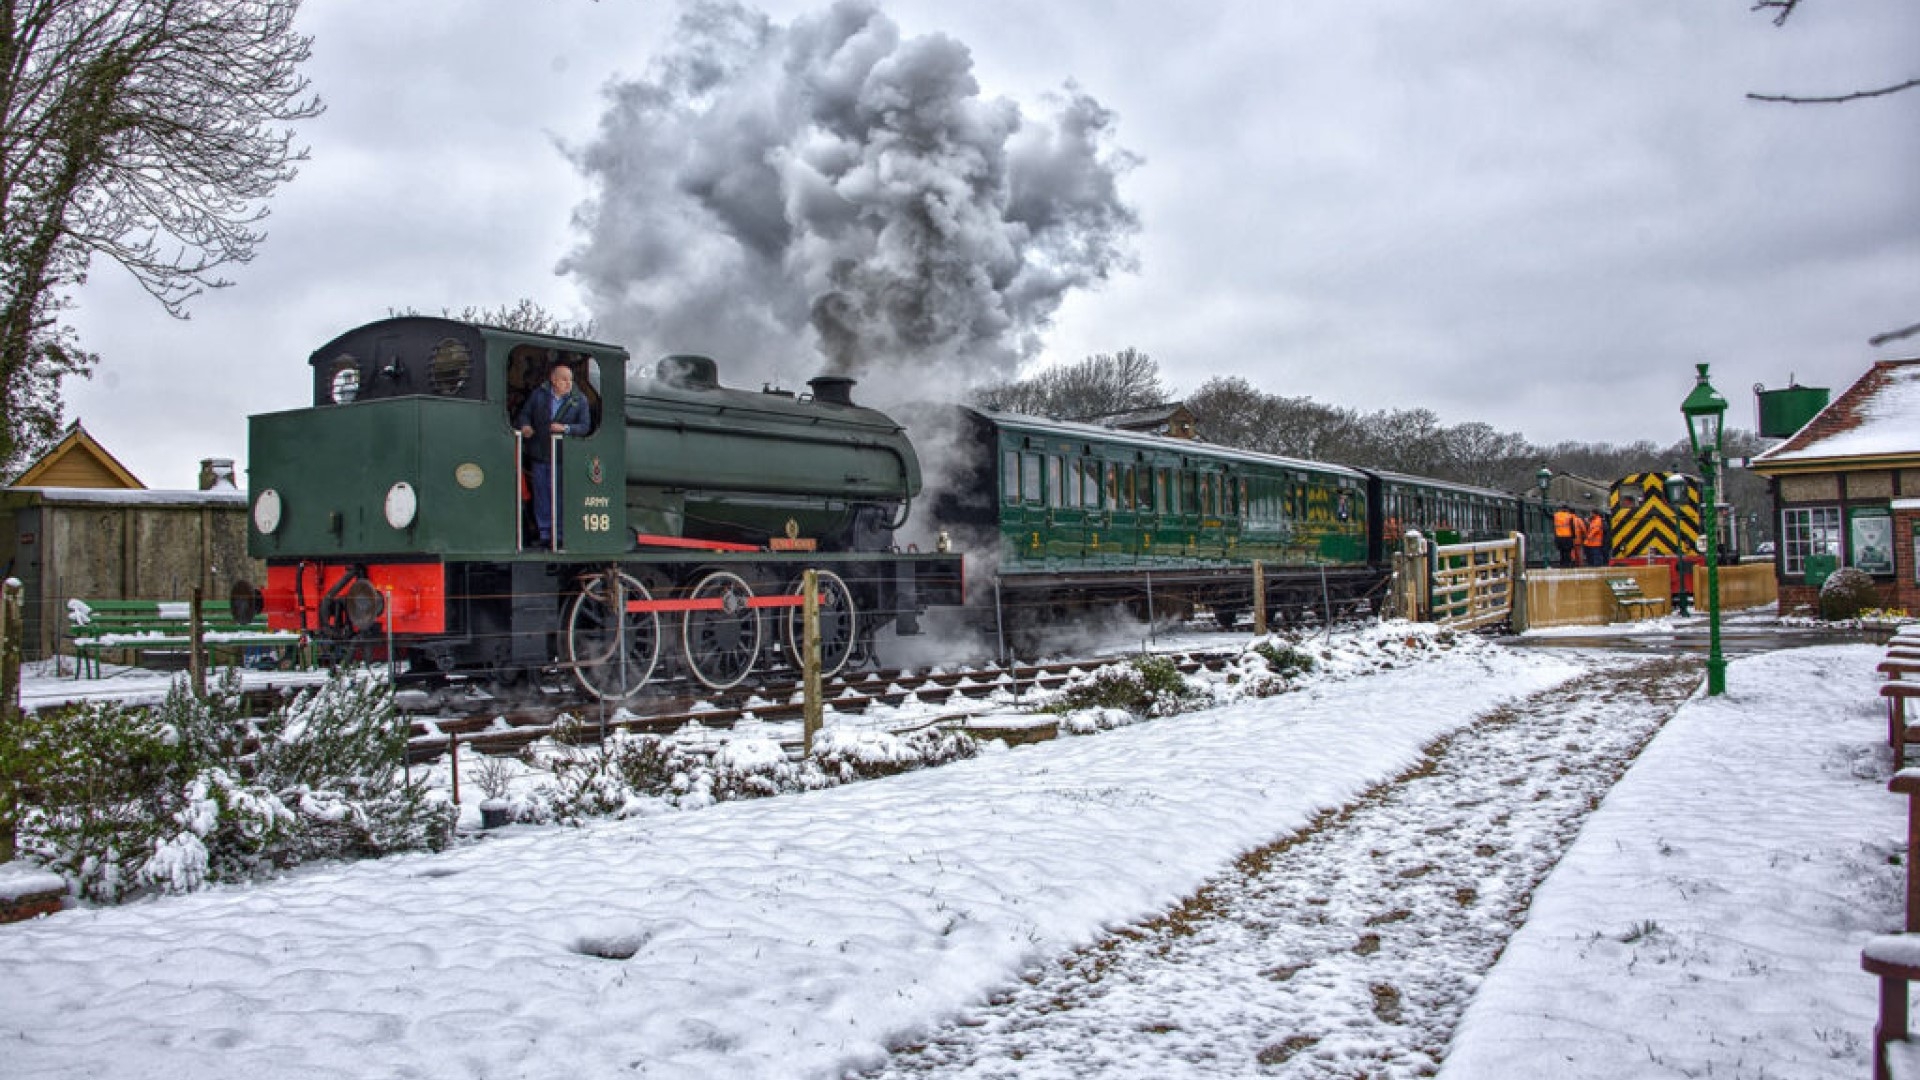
[79,461]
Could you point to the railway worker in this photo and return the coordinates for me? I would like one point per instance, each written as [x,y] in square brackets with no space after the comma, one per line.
[1594,539]
[554,408]
[1566,534]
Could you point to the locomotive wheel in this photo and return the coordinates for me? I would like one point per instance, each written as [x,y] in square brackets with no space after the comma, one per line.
[610,670]
[722,643]
[838,624]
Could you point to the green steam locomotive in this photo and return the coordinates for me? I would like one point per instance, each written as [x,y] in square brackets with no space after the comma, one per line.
[395,514]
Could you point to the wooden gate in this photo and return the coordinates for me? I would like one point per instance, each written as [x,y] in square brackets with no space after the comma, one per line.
[1465,586]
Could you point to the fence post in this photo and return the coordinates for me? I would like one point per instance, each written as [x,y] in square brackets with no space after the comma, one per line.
[1517,583]
[12,627]
[196,647]
[810,653]
[1259,598]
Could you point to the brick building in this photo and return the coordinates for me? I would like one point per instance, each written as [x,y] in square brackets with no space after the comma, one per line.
[1846,490]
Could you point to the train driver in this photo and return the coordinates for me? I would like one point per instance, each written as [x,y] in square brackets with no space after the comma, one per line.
[554,408]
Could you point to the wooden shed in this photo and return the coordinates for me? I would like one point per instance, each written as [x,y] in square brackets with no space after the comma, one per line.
[79,525]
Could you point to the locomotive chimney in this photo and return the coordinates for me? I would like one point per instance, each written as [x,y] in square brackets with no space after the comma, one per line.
[834,389]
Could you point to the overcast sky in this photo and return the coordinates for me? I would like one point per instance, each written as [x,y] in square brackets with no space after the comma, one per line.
[1535,215]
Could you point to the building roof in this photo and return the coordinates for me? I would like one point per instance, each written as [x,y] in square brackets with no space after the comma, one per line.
[1876,418]
[78,461]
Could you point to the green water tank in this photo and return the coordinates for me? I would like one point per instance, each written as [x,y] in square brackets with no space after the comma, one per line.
[1783,412]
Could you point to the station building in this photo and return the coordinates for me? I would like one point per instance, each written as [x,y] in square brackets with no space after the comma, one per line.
[1846,490]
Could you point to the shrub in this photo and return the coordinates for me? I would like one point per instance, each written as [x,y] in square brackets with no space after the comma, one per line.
[121,798]
[1144,686]
[1848,591]
[1286,661]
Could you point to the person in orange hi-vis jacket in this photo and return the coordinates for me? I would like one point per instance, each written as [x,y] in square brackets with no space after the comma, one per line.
[1567,534]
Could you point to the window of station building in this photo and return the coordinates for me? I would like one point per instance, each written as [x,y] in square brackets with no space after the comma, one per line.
[1010,476]
[1806,532]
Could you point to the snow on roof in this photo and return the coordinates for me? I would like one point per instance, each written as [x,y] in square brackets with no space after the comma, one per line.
[143,497]
[1878,415]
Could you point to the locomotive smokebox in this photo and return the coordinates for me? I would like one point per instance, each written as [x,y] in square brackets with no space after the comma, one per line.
[832,389]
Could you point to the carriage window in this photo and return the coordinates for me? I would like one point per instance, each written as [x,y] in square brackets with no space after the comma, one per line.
[1160,489]
[1010,477]
[1053,480]
[1030,478]
[1126,487]
[1090,486]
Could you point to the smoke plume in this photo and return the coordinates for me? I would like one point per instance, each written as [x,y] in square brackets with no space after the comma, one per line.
[828,195]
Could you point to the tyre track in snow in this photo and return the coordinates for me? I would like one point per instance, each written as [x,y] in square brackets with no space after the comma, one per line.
[1348,950]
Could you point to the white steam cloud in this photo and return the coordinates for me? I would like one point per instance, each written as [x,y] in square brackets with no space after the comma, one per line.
[828,195]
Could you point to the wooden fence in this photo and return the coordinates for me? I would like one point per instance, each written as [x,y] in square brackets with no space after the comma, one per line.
[1465,586]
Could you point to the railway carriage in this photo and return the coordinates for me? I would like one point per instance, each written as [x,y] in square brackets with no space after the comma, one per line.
[392,512]
[1076,516]
[1444,511]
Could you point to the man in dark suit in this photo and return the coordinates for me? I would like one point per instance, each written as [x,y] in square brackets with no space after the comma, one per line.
[554,408]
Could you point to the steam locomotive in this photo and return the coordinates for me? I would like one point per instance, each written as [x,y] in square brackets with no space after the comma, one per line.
[392,514]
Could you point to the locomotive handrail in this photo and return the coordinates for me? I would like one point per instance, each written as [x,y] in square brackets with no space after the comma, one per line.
[519,477]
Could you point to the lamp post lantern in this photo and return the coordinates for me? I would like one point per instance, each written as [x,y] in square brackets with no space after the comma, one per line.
[1704,410]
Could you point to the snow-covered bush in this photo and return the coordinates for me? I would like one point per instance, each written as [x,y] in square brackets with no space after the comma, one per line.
[1847,592]
[631,773]
[122,798]
[1143,686]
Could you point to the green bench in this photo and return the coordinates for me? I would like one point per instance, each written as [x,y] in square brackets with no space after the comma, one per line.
[1627,594]
[134,626]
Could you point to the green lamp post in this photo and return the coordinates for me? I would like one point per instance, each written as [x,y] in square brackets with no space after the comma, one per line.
[1545,479]
[1704,409]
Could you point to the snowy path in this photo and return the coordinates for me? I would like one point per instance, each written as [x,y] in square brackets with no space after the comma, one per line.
[1352,950]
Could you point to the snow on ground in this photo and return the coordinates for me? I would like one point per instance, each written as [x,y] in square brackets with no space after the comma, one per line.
[1350,949]
[1709,920]
[1712,911]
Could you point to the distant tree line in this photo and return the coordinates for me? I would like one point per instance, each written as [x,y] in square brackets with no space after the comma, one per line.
[1231,411]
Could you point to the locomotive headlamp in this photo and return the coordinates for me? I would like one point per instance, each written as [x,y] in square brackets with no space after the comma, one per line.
[402,505]
[266,511]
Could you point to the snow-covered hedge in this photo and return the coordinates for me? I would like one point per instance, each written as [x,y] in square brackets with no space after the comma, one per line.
[631,774]
[123,799]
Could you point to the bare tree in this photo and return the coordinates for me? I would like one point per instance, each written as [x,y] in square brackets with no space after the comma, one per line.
[140,130]
[1100,385]
[524,314]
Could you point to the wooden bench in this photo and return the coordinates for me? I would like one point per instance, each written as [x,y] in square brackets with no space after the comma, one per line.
[136,626]
[1627,594]
[1894,959]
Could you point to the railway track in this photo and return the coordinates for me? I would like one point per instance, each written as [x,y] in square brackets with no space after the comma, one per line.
[494,727]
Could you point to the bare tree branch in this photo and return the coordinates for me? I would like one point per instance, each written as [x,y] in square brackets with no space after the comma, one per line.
[1878,340]
[1838,99]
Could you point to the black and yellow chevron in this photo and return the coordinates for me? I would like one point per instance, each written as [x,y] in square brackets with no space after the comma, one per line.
[1641,522]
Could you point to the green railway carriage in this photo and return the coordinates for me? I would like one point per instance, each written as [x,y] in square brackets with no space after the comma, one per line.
[1082,515]
[1444,511]
[396,505]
